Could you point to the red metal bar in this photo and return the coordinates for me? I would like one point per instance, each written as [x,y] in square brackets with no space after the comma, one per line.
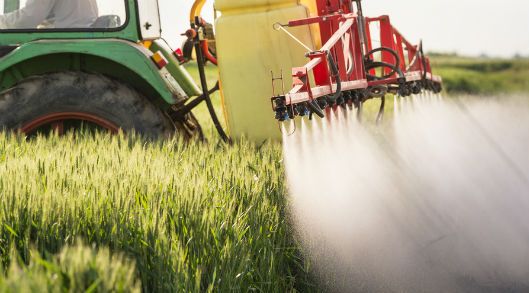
[387,41]
[336,37]
[343,33]
[313,20]
[358,62]
[207,53]
[369,42]
[400,51]
[321,71]
[319,65]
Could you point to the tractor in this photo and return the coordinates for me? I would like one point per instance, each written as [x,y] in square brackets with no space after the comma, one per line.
[115,72]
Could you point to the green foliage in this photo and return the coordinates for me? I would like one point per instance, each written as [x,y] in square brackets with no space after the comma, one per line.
[481,75]
[193,217]
[75,269]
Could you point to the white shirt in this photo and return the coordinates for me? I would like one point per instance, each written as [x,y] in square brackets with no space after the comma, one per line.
[52,13]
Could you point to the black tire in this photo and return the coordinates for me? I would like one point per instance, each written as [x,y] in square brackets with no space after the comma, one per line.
[86,93]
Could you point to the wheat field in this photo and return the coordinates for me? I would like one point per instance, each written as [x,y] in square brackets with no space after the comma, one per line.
[186,217]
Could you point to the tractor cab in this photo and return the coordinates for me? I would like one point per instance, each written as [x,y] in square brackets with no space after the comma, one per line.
[126,19]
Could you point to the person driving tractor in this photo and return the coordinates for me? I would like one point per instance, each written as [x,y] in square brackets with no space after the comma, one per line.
[52,14]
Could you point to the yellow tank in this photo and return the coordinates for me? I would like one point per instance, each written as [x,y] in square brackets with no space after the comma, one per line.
[313,11]
[249,48]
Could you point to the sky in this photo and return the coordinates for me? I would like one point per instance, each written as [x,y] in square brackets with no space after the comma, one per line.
[469,27]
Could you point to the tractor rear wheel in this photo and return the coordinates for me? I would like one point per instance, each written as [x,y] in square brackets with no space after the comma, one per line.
[70,100]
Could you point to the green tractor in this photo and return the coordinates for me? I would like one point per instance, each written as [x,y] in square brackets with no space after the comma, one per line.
[66,64]
[101,65]
[69,64]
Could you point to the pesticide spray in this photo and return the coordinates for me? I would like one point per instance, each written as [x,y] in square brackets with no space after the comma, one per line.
[436,202]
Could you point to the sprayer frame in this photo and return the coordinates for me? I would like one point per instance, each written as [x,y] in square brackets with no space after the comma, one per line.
[343,70]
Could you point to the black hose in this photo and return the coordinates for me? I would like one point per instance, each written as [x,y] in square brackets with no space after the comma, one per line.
[378,64]
[315,108]
[380,115]
[370,64]
[423,58]
[392,52]
[336,74]
[207,97]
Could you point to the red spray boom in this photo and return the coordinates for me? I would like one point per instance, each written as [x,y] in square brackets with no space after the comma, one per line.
[347,70]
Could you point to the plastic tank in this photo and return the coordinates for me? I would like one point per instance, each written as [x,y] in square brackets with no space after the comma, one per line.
[249,48]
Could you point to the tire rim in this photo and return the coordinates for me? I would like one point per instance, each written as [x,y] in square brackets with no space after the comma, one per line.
[56,121]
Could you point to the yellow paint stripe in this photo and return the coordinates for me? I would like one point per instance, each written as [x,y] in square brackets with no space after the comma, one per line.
[147,44]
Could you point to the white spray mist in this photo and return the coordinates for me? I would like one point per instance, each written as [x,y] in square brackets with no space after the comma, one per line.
[438,202]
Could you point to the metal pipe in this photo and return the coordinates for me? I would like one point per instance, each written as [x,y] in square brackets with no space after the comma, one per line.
[361,27]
